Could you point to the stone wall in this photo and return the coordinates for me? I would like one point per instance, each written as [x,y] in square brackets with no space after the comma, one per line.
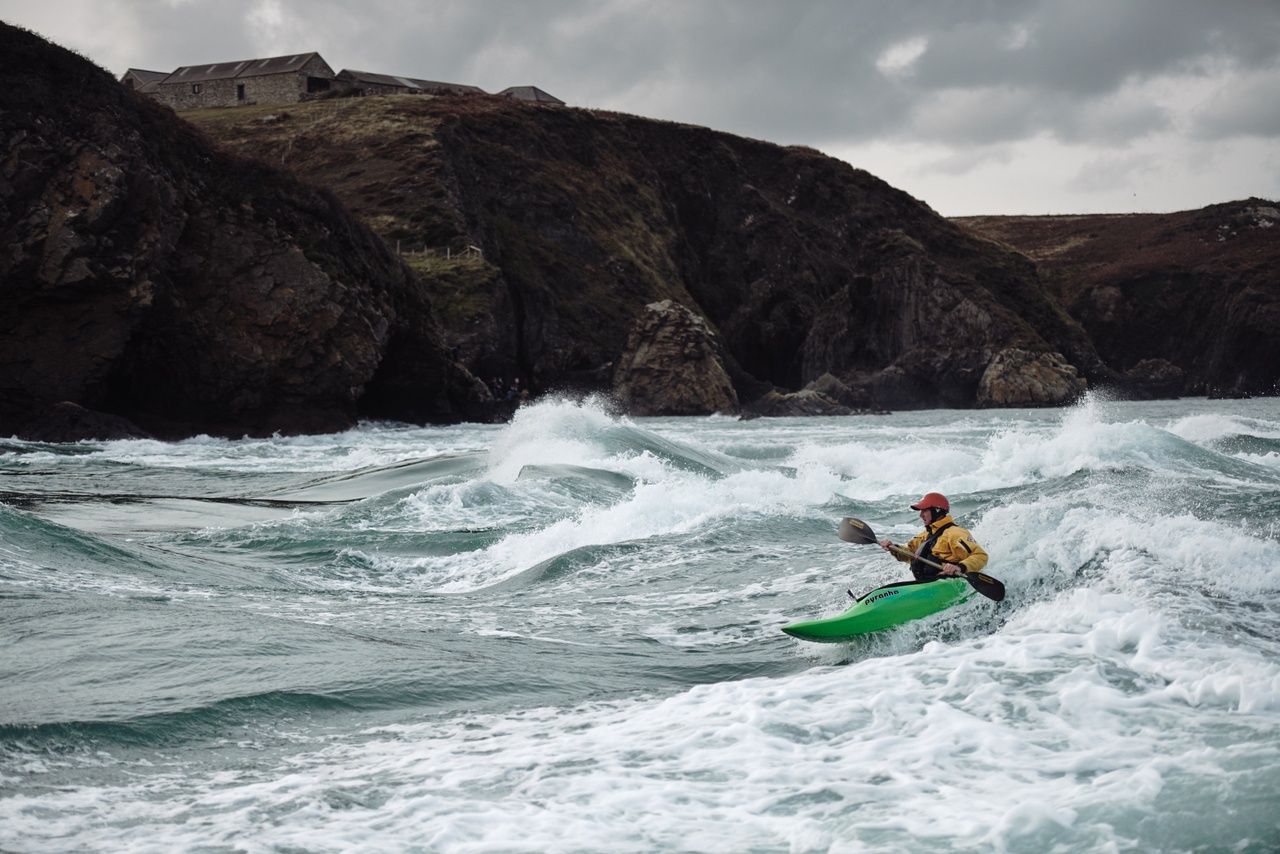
[374,89]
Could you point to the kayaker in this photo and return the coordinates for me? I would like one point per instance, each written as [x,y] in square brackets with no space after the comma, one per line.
[942,541]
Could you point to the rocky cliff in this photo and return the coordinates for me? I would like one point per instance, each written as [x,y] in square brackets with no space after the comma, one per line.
[159,277]
[799,264]
[149,276]
[1179,303]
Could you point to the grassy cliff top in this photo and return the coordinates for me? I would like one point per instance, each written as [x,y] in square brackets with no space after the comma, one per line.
[1237,239]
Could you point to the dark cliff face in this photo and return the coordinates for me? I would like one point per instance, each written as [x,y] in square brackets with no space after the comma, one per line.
[1196,290]
[151,275]
[802,264]
[148,275]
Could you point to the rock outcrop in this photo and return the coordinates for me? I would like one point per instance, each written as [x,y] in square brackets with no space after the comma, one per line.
[673,365]
[907,332]
[149,276]
[1154,379]
[831,387]
[1021,378]
[805,402]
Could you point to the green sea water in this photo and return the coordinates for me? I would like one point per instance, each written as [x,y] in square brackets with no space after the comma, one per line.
[563,634]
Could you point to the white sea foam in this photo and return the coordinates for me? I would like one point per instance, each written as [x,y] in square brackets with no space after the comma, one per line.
[1052,538]
[668,500]
[677,504]
[1124,697]
[1067,729]
[364,447]
[1212,427]
[968,456]
[553,431]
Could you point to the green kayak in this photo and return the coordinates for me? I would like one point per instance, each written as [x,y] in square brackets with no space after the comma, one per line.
[885,607]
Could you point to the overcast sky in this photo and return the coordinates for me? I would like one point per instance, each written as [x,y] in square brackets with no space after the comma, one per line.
[973,106]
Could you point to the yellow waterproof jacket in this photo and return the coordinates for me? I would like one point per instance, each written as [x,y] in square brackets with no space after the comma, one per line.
[954,545]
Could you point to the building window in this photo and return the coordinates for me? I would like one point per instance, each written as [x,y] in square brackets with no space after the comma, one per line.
[240,92]
[196,88]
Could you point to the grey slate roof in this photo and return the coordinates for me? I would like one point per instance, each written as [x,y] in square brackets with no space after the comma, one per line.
[145,76]
[144,81]
[242,68]
[531,93]
[428,86]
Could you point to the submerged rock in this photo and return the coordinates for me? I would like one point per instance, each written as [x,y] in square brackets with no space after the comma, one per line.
[777,404]
[1154,379]
[70,422]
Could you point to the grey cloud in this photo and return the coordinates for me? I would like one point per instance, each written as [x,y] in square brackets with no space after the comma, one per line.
[1063,68]
[1111,172]
[1092,47]
[984,117]
[966,160]
[982,76]
[1242,107]
[789,72]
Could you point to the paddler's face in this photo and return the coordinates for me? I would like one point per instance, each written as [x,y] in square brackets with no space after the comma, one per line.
[926,515]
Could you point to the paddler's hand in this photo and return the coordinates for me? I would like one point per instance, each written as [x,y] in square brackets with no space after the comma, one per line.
[887,545]
[952,569]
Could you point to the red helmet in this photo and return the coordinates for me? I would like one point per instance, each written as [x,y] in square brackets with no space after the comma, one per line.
[932,499]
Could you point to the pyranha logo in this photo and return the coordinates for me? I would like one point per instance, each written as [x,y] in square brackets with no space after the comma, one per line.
[879,596]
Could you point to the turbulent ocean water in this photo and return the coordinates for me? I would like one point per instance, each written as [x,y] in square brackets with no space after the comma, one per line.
[562,634]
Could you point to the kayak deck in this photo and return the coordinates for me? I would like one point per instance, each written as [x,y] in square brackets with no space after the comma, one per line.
[884,608]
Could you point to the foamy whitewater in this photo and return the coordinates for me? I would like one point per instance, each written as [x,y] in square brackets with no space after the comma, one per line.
[562,634]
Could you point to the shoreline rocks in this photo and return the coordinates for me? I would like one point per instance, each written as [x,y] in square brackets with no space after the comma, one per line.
[1016,378]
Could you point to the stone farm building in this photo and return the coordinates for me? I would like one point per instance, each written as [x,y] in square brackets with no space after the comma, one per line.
[367,83]
[277,80]
[288,80]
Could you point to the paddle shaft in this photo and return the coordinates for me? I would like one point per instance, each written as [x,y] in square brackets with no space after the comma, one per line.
[980,581]
[900,550]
